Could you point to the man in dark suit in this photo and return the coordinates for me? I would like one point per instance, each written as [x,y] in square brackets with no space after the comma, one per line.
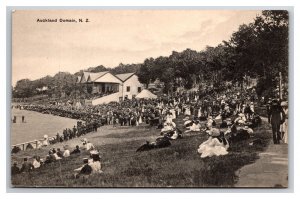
[76,150]
[277,117]
[86,169]
[15,169]
[26,166]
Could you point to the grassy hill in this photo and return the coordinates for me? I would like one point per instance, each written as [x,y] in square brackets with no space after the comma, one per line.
[176,166]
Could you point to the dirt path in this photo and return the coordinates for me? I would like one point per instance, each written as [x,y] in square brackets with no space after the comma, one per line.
[270,170]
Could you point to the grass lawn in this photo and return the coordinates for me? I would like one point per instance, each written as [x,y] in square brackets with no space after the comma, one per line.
[176,166]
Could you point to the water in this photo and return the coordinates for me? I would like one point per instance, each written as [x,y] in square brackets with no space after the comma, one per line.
[37,125]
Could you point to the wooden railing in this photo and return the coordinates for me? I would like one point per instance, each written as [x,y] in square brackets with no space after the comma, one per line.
[33,143]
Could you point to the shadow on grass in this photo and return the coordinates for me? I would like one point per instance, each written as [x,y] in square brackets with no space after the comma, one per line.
[134,132]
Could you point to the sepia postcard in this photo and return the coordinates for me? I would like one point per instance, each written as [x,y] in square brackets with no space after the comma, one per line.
[145,98]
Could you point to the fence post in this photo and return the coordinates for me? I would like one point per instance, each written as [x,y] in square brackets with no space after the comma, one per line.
[280,86]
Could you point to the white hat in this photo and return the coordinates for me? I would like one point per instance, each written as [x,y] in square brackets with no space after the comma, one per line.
[241,122]
[284,103]
[241,115]
[94,152]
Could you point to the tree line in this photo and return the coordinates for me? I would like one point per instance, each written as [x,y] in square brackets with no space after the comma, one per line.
[258,50]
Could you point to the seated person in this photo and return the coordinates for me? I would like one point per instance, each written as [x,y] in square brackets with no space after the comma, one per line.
[36,162]
[15,169]
[85,169]
[89,146]
[239,133]
[48,160]
[16,149]
[26,166]
[45,141]
[211,129]
[53,155]
[167,127]
[215,145]
[210,119]
[196,126]
[59,153]
[66,152]
[76,150]
[188,123]
[95,163]
[241,118]
[160,142]
[175,135]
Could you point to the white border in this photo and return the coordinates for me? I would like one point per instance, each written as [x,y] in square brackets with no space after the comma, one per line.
[146,3]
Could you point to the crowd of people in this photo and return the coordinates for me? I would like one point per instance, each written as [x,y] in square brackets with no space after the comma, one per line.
[226,117]
[92,164]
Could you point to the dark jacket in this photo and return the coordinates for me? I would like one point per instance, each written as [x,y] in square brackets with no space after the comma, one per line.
[15,170]
[26,167]
[86,170]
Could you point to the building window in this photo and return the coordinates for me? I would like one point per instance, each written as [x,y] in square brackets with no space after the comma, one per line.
[139,89]
[133,96]
[128,89]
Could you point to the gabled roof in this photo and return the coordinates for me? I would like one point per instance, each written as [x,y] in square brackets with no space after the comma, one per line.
[108,78]
[94,76]
[84,77]
[90,76]
[78,79]
[123,77]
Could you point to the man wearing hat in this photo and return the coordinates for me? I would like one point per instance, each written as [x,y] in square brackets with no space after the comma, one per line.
[277,117]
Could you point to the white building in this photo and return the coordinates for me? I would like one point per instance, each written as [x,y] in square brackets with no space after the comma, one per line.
[131,85]
[111,87]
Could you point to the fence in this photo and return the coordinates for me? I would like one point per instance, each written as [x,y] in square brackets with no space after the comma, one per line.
[35,144]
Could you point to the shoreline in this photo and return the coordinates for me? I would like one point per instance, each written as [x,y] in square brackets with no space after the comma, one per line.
[19,126]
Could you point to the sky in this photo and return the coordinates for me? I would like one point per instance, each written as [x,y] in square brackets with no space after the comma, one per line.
[112,37]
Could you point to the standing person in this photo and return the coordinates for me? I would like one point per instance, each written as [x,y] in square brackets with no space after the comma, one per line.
[268,106]
[277,117]
[284,126]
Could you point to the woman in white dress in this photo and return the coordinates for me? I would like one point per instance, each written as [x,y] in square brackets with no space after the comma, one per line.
[214,146]
[284,125]
[187,111]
